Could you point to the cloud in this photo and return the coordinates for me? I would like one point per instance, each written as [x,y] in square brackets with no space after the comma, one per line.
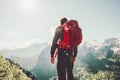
[52,32]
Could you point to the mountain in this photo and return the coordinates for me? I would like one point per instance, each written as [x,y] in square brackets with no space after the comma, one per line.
[26,57]
[9,70]
[44,69]
[113,43]
[100,49]
[99,58]
[32,50]
[92,57]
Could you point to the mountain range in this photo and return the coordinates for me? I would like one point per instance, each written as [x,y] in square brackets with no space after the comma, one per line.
[26,57]
[36,58]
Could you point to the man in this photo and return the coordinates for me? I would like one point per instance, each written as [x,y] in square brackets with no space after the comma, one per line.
[66,58]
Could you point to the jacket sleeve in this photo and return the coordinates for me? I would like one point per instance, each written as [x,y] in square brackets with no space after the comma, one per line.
[75,52]
[55,39]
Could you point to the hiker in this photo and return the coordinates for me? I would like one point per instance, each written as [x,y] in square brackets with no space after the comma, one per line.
[66,55]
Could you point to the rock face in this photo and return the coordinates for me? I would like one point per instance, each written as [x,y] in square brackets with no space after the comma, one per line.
[10,70]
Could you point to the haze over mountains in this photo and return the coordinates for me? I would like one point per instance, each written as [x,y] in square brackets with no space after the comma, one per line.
[26,57]
[36,57]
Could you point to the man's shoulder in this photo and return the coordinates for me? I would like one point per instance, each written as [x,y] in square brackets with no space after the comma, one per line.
[59,28]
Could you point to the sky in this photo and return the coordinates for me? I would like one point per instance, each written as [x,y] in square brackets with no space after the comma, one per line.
[24,22]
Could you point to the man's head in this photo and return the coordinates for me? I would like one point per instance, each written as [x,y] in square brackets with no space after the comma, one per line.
[63,20]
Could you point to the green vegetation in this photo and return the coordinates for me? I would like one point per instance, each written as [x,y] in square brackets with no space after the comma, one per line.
[100,69]
[10,70]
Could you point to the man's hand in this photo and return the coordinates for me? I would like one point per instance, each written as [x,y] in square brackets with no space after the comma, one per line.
[52,60]
[74,59]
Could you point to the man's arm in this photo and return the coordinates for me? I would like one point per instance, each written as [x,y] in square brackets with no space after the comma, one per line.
[54,43]
[75,54]
[75,51]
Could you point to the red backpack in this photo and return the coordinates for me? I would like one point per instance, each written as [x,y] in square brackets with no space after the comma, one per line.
[72,35]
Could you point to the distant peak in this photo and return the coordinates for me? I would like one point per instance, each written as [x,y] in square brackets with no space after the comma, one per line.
[39,44]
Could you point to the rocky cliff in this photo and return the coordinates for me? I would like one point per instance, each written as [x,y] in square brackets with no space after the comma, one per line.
[9,70]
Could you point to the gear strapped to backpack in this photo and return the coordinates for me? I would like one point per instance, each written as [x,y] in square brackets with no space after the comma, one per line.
[72,35]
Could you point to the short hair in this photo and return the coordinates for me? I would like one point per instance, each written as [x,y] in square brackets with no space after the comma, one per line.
[63,20]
